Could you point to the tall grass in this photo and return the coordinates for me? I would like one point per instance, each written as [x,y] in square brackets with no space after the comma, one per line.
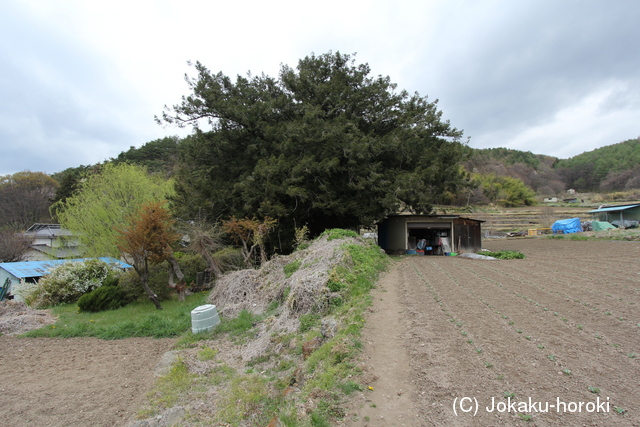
[138,319]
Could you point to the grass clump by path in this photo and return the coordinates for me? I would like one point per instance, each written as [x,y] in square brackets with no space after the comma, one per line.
[137,319]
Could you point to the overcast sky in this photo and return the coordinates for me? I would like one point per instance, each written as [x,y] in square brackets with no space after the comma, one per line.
[81,81]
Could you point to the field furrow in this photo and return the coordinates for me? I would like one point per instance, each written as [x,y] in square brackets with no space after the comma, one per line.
[551,327]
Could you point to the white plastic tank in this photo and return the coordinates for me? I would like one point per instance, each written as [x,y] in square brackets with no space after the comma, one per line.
[204,318]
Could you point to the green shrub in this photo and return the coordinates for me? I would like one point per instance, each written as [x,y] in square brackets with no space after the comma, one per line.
[229,259]
[309,321]
[67,282]
[106,297]
[237,326]
[301,236]
[111,280]
[190,264]
[158,282]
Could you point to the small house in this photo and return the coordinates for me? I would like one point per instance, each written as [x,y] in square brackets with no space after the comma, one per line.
[50,242]
[438,233]
[12,273]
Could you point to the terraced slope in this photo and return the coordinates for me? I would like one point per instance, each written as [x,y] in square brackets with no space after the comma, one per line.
[522,219]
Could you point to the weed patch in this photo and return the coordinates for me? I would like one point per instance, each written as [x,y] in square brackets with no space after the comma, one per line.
[504,254]
[291,268]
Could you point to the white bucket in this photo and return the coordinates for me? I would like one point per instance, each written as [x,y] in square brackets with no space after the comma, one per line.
[204,318]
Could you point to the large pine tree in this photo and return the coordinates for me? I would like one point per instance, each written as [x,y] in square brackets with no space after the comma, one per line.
[325,144]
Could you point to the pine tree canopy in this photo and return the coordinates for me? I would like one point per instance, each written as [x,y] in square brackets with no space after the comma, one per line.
[325,144]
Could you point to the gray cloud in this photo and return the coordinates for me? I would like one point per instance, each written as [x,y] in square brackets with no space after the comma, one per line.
[81,82]
[519,64]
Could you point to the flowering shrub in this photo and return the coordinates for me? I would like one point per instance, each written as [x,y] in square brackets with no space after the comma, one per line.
[67,282]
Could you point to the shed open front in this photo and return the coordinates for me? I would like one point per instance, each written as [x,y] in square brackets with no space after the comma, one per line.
[432,234]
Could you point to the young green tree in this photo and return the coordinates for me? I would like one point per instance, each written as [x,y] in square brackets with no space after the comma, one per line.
[105,201]
[325,144]
[147,239]
[506,191]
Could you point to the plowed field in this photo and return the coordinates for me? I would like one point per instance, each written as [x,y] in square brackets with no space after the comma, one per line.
[553,339]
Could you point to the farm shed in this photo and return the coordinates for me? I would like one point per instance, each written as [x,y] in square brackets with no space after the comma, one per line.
[443,233]
[617,213]
[31,271]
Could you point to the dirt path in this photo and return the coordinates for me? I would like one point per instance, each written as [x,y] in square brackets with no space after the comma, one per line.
[75,382]
[551,340]
[390,402]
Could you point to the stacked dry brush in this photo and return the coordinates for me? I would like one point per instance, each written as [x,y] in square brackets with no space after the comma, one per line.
[302,292]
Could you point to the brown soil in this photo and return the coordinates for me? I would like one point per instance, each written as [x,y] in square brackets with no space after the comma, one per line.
[447,328]
[75,382]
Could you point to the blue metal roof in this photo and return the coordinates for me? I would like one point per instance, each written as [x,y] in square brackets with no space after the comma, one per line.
[40,268]
[615,208]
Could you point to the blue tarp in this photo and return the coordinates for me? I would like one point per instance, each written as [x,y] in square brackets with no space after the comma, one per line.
[40,268]
[566,226]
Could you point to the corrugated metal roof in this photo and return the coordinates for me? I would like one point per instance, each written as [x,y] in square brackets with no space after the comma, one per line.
[615,208]
[48,230]
[407,214]
[40,268]
[38,227]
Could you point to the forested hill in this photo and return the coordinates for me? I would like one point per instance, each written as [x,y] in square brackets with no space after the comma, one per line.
[611,168]
[510,157]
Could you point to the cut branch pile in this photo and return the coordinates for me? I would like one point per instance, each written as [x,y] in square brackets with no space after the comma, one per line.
[303,292]
[17,318]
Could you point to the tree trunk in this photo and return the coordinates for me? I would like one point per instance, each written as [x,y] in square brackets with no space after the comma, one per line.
[143,274]
[181,286]
[213,265]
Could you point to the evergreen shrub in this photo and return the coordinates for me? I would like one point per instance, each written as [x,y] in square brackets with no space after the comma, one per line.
[106,297]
